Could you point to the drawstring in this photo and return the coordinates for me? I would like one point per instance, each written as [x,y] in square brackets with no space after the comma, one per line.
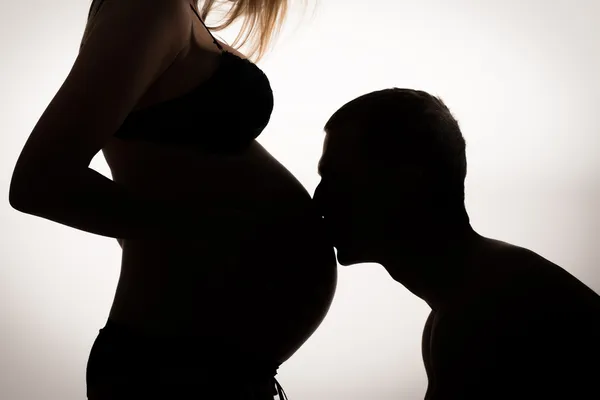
[280,393]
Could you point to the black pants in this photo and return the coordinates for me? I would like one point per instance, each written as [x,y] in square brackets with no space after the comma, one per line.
[126,365]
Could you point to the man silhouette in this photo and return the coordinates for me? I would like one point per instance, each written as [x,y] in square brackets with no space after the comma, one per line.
[505,323]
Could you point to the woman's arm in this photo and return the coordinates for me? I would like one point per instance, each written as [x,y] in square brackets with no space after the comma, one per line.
[131,43]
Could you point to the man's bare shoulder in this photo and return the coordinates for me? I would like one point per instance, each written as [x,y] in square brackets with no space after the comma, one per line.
[506,270]
[502,327]
[517,288]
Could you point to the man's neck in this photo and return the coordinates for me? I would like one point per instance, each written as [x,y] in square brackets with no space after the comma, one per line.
[440,271]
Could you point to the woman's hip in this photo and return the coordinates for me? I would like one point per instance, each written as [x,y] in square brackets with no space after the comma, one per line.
[125,363]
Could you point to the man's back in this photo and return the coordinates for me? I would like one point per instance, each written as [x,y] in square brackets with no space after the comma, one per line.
[525,329]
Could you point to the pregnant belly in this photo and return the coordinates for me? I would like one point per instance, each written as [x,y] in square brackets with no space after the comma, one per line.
[269,292]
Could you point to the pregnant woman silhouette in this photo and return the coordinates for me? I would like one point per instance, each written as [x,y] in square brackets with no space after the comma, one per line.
[225,268]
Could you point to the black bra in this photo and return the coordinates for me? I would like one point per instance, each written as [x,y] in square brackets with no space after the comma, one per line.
[223,114]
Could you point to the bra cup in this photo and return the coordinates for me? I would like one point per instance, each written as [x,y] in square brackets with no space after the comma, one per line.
[225,113]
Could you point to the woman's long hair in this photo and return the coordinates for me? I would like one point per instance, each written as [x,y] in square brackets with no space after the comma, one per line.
[263,20]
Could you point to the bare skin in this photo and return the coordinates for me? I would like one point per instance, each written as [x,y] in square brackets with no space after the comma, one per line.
[286,272]
[269,292]
[505,322]
[521,327]
[254,179]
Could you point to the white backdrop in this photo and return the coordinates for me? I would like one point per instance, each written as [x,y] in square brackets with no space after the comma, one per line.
[520,76]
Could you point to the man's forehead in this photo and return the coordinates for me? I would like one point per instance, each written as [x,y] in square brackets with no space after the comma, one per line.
[345,137]
[344,150]
[341,148]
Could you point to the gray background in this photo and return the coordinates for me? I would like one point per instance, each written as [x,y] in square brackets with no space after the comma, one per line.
[520,76]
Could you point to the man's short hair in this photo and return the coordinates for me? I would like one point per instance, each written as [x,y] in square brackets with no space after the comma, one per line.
[413,128]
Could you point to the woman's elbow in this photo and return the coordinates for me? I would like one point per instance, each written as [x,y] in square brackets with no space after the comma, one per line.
[23,194]
[18,197]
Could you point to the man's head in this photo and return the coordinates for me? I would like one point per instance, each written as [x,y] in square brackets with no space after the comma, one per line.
[392,174]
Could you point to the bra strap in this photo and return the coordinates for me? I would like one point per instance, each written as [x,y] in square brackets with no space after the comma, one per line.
[214,40]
